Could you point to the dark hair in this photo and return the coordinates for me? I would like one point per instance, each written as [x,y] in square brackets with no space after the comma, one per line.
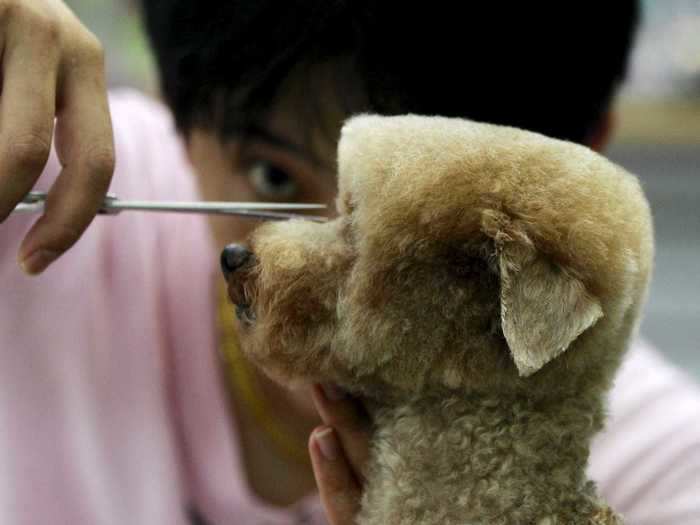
[551,69]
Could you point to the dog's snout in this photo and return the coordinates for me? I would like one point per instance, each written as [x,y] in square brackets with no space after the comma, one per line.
[233,257]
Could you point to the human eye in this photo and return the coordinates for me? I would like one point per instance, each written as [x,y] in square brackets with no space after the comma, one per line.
[271,181]
[274,171]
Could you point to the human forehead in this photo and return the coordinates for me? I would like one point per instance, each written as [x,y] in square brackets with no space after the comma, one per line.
[311,106]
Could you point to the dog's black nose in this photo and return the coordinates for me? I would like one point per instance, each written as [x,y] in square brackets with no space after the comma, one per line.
[233,257]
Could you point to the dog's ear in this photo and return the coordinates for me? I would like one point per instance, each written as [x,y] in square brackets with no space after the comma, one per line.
[543,307]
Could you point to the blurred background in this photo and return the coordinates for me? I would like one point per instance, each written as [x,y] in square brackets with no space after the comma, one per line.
[657,138]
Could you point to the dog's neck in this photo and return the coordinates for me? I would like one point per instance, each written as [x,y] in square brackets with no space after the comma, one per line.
[488,459]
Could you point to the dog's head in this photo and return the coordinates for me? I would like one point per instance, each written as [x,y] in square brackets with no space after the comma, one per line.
[465,256]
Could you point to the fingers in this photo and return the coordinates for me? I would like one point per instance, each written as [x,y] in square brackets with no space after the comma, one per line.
[339,490]
[52,67]
[347,416]
[27,107]
[85,148]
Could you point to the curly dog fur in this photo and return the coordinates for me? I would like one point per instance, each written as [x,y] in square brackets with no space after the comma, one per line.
[478,289]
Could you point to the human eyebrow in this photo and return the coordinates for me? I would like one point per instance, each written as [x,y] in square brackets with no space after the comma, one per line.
[258,133]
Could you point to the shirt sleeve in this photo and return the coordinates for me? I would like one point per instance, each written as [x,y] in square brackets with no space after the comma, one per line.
[647,460]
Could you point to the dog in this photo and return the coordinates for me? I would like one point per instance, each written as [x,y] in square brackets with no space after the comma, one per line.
[478,288]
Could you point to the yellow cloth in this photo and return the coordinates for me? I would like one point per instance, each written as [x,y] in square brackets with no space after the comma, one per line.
[241,379]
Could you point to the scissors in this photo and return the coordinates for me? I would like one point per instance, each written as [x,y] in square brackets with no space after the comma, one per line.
[112,205]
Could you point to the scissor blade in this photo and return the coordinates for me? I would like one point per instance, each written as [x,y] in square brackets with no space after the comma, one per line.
[34,203]
[117,205]
[274,216]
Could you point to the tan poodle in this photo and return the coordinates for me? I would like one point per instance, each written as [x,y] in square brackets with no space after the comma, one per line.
[478,289]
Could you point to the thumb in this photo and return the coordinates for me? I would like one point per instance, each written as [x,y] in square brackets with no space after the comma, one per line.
[339,489]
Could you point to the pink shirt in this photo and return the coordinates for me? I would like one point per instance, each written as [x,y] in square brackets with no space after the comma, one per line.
[112,409]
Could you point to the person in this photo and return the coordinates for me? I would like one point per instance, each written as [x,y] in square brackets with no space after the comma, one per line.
[116,405]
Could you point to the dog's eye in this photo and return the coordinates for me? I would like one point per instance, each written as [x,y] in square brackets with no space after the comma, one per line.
[271,182]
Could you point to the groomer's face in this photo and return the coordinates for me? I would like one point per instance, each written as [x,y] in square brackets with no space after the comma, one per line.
[281,160]
[286,158]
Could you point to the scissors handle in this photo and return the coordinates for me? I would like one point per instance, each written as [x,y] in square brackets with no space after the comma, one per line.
[33,202]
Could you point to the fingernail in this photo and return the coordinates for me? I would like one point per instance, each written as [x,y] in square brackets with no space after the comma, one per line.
[332,392]
[327,443]
[38,261]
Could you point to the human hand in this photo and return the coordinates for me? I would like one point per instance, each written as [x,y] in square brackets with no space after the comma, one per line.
[339,451]
[52,66]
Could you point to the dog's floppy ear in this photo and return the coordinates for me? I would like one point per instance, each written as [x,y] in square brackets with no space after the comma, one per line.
[543,307]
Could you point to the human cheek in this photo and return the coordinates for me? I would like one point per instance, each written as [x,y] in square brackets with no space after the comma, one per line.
[226,230]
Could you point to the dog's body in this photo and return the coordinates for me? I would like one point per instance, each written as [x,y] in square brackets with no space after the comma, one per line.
[478,289]
[451,460]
